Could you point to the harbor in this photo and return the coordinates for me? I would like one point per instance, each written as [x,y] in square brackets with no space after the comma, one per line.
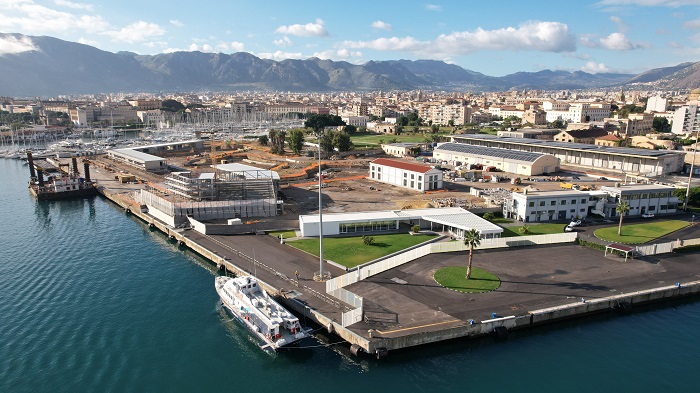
[403,306]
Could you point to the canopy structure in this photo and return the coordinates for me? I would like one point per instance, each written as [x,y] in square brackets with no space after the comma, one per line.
[620,247]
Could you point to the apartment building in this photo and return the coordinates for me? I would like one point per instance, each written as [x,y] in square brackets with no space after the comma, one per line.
[686,120]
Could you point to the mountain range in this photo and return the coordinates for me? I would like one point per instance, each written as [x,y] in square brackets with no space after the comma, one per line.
[57,67]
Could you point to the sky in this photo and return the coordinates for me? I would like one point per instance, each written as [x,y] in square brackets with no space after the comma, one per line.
[492,37]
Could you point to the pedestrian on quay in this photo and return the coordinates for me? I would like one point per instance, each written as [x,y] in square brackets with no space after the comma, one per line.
[296,274]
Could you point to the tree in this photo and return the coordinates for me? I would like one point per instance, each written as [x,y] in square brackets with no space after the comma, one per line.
[277,141]
[350,129]
[661,124]
[319,122]
[472,238]
[693,197]
[622,209]
[341,141]
[295,140]
[263,139]
[367,240]
[327,142]
[172,106]
[434,128]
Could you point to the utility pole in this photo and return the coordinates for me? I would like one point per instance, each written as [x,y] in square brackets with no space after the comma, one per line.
[690,177]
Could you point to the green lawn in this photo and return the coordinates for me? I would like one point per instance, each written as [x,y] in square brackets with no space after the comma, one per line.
[351,251]
[285,234]
[368,140]
[640,233]
[535,229]
[453,277]
[501,220]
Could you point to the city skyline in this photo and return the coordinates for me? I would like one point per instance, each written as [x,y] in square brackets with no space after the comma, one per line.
[625,36]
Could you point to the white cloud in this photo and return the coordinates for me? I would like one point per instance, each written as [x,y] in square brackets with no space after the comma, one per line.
[621,26]
[156,44]
[308,30]
[537,36]
[674,44]
[587,40]
[87,41]
[279,55]
[12,45]
[433,7]
[378,24]
[340,54]
[284,41]
[594,68]
[136,32]
[617,41]
[201,48]
[650,3]
[692,24]
[232,46]
[176,23]
[409,44]
[76,6]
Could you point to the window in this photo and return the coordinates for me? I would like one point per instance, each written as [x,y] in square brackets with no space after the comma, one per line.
[582,210]
[644,196]
[412,185]
[652,208]
[634,197]
[553,203]
[653,195]
[419,185]
[412,176]
[531,204]
[541,203]
[379,169]
[563,201]
[583,201]
[572,211]
[405,182]
[420,178]
[624,197]
[573,201]
[405,175]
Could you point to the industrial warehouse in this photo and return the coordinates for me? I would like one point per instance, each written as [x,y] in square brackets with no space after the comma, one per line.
[622,160]
[513,161]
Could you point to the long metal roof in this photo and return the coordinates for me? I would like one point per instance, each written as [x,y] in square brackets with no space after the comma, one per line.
[495,152]
[569,146]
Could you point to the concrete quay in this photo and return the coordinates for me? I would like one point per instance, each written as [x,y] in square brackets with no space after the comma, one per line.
[405,307]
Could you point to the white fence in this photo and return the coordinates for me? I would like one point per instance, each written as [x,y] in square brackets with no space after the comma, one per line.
[505,242]
[664,248]
[354,315]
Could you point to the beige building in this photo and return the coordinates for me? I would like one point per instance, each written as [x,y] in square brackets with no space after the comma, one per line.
[517,162]
[609,140]
[580,136]
[402,149]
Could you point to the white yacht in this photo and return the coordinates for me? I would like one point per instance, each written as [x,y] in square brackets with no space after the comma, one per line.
[258,312]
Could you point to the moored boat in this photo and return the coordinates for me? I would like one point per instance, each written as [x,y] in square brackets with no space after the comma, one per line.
[259,312]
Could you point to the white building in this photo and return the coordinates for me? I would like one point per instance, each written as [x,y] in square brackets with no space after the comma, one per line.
[642,198]
[686,119]
[453,220]
[512,161]
[404,174]
[536,206]
[657,104]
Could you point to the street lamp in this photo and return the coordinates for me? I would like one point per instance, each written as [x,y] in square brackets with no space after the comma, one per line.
[690,176]
[321,276]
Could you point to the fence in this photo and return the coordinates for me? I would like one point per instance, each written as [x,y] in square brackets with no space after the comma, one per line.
[505,242]
[664,248]
[354,315]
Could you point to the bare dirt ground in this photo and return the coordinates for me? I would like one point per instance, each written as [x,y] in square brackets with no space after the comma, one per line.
[347,188]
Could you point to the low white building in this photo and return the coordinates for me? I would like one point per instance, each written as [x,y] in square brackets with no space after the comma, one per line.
[642,198]
[405,174]
[453,220]
[536,206]
[512,161]
[144,161]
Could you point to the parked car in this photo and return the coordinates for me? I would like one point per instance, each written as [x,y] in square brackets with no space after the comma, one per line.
[574,223]
[648,215]
[602,178]
[568,228]
[575,178]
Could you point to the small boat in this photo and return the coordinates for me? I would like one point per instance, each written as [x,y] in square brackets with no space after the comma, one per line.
[259,313]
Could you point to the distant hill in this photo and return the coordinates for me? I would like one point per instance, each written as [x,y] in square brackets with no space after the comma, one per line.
[62,67]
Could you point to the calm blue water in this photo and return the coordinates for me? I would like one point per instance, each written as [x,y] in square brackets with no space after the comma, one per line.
[91,300]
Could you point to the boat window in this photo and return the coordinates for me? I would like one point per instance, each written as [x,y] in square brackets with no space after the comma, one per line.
[254,285]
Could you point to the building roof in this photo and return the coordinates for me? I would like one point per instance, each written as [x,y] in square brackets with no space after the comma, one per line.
[625,188]
[250,172]
[418,168]
[452,216]
[137,155]
[628,151]
[495,152]
[587,133]
[609,137]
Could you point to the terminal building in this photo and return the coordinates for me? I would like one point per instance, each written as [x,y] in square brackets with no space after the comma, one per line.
[149,158]
[405,174]
[512,161]
[622,160]
[452,220]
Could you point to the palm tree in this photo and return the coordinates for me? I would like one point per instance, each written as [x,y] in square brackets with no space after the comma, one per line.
[472,238]
[622,209]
